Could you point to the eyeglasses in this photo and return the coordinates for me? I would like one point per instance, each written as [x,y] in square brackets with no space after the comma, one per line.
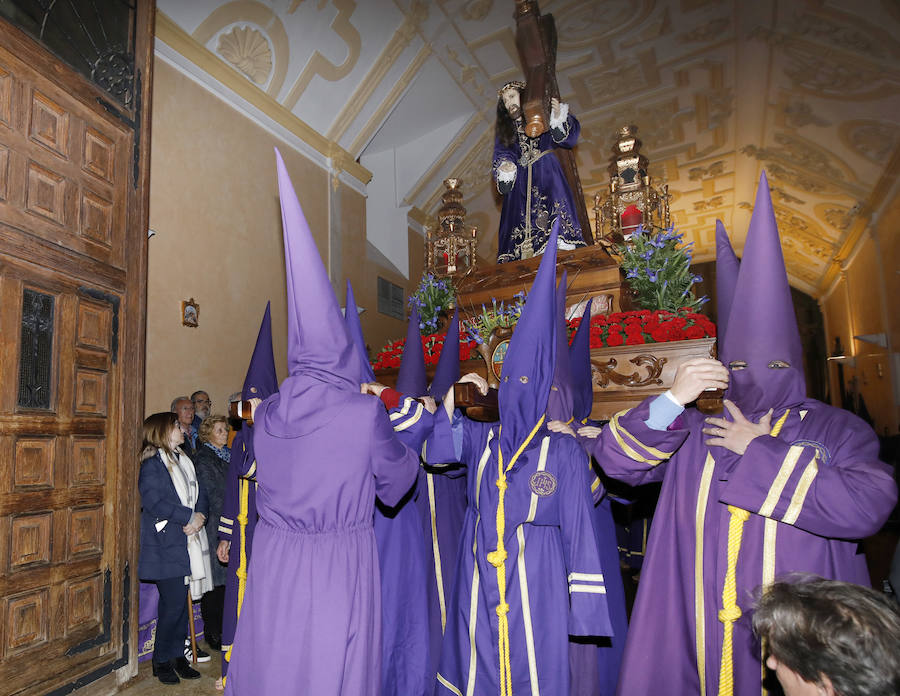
[203,401]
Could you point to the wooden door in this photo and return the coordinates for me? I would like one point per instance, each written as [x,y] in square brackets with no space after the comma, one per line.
[74,170]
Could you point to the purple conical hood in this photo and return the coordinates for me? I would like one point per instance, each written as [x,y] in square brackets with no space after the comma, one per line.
[354,330]
[447,371]
[261,381]
[580,366]
[560,399]
[762,327]
[411,375]
[727,267]
[322,360]
[530,357]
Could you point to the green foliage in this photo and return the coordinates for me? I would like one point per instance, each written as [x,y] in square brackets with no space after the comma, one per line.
[431,297]
[496,316]
[657,267]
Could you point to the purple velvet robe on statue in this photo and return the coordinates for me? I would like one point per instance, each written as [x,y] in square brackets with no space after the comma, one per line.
[551,197]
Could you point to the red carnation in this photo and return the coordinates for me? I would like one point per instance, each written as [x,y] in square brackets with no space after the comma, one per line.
[614,339]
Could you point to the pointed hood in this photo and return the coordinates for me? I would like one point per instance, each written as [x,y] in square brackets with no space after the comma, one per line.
[447,371]
[727,267]
[762,327]
[530,357]
[560,400]
[411,379]
[260,383]
[322,361]
[354,330]
[580,366]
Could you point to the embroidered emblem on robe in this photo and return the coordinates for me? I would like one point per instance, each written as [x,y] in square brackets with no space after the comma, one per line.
[543,483]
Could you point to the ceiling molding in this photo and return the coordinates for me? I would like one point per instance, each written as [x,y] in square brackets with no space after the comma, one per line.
[214,67]
[390,101]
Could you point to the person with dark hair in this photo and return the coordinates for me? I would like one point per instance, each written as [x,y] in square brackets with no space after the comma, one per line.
[174,551]
[202,407]
[531,180]
[830,637]
[211,461]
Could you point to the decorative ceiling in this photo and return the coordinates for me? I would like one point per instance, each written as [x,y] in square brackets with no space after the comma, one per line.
[719,89]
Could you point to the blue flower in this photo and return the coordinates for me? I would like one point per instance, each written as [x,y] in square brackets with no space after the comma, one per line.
[697,279]
[647,254]
[421,325]
[659,241]
[652,275]
[633,273]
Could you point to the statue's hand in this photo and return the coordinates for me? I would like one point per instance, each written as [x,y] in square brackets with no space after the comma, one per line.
[554,109]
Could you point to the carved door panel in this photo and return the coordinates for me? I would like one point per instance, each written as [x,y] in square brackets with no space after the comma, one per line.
[72,303]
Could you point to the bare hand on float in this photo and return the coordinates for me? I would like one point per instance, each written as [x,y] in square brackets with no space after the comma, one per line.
[696,376]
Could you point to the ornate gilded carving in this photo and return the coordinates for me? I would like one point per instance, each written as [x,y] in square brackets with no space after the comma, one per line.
[248,51]
[874,140]
[713,170]
[706,32]
[476,10]
[709,203]
[798,113]
[605,372]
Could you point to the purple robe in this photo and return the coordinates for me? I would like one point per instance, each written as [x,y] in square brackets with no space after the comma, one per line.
[311,619]
[551,198]
[236,525]
[807,494]
[404,576]
[442,508]
[554,577]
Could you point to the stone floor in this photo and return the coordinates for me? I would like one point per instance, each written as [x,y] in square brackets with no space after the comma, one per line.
[145,684]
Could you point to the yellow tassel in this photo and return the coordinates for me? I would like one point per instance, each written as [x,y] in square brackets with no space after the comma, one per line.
[497,558]
[730,611]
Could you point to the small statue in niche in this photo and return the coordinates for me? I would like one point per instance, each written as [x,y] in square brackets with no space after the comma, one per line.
[530,179]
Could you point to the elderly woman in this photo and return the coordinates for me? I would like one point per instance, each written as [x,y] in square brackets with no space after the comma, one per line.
[211,460]
[174,550]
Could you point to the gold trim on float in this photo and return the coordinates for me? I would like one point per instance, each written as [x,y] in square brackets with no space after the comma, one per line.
[180,41]
[699,608]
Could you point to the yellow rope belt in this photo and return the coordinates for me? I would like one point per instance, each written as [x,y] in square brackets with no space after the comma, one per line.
[497,558]
[730,611]
[241,571]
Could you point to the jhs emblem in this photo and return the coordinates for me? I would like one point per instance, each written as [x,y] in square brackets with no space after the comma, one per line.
[543,483]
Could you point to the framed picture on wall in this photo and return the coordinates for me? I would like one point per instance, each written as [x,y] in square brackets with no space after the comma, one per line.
[190,313]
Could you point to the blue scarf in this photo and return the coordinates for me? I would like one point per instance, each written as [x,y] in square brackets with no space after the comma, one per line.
[223,452]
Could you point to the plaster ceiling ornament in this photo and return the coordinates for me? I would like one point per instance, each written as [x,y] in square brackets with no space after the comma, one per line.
[661,121]
[874,140]
[583,23]
[832,77]
[476,10]
[839,217]
[711,31]
[798,113]
[713,170]
[835,33]
[784,197]
[709,204]
[248,51]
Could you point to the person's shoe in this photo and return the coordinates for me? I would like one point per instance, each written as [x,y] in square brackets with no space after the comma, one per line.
[202,655]
[165,672]
[214,641]
[184,669]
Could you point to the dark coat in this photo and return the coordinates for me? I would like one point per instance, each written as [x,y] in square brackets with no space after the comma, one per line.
[164,553]
[212,472]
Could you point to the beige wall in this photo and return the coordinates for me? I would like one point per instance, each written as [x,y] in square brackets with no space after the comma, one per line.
[214,207]
[865,301]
